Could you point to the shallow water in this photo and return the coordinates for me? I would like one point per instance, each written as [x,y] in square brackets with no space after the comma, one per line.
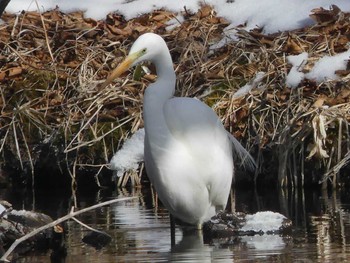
[140,228]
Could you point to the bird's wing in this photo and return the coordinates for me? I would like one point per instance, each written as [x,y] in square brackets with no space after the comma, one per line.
[196,122]
[192,121]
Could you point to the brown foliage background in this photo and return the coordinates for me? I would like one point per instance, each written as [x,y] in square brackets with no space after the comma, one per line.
[54,115]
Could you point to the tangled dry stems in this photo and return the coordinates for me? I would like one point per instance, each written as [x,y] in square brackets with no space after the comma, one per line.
[52,63]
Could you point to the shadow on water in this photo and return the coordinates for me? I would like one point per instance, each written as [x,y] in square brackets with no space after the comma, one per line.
[140,228]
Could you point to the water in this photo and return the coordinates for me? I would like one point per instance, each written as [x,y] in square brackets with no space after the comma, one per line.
[140,228]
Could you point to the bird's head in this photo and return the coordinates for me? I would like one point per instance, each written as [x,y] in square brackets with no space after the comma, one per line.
[144,48]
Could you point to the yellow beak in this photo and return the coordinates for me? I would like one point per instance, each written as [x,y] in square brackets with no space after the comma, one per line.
[124,66]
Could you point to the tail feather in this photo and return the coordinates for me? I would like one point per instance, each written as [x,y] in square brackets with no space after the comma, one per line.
[243,155]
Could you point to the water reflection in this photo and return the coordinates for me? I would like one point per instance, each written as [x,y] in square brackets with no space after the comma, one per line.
[145,231]
[140,228]
[192,247]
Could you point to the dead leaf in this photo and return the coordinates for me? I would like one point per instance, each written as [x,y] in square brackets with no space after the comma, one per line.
[2,75]
[292,46]
[205,11]
[11,72]
[320,135]
[319,102]
[159,17]
[323,16]
[150,77]
[118,31]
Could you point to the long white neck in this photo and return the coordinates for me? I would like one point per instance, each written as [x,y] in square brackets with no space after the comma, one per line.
[158,93]
[164,87]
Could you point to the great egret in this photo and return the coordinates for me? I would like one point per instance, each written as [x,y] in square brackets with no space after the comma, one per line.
[188,152]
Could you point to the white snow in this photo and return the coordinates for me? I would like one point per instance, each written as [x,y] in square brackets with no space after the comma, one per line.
[263,222]
[24,213]
[272,15]
[295,75]
[174,22]
[249,86]
[2,209]
[130,155]
[325,68]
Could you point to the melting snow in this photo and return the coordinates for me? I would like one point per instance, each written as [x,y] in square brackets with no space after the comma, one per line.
[2,209]
[295,75]
[130,155]
[174,22]
[325,67]
[263,222]
[271,15]
[249,86]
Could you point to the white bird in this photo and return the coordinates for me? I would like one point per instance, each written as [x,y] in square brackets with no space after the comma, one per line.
[188,153]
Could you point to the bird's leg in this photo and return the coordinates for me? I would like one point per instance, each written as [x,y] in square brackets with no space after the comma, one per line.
[172,230]
[231,202]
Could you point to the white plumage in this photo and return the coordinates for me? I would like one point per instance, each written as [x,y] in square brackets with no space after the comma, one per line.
[188,152]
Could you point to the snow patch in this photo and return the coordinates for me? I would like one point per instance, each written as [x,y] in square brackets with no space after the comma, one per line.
[325,68]
[2,209]
[174,22]
[295,76]
[263,222]
[271,15]
[130,155]
[249,86]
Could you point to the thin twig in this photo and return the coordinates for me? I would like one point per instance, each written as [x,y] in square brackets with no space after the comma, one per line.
[58,221]
[45,33]
[86,226]
[335,169]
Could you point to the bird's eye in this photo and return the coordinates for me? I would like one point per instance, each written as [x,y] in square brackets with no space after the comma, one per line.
[143,51]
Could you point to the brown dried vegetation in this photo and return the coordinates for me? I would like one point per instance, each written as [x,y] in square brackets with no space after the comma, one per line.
[53,113]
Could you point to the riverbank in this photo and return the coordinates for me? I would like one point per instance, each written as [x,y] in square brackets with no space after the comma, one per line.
[54,117]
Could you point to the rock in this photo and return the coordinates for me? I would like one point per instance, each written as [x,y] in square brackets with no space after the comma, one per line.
[28,218]
[15,224]
[97,239]
[224,225]
[240,224]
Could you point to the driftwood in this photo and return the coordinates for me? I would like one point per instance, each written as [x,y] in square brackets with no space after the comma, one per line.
[72,214]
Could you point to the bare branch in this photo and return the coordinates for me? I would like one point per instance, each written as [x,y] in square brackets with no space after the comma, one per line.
[60,220]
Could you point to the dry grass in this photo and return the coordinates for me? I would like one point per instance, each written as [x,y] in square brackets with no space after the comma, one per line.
[53,111]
